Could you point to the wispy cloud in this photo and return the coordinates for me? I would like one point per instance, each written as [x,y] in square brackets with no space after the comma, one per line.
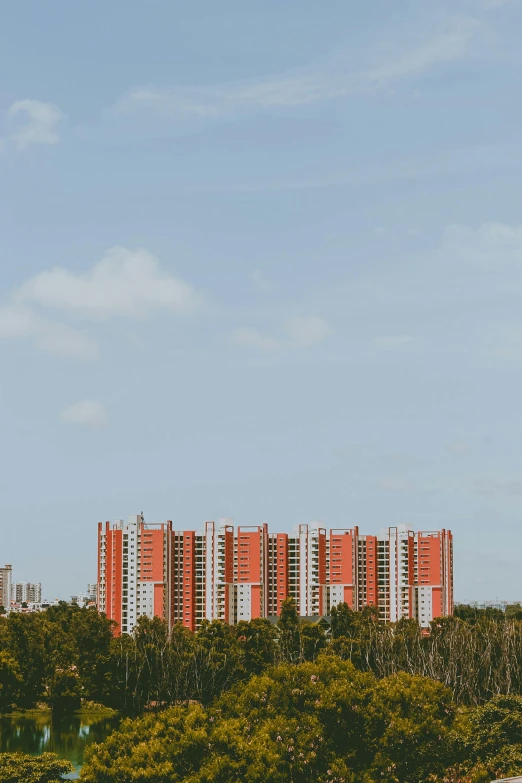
[486,246]
[36,123]
[307,330]
[452,163]
[327,79]
[86,413]
[299,331]
[393,341]
[260,280]
[20,322]
[253,338]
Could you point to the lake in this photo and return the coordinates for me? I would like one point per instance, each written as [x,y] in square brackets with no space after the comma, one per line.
[67,737]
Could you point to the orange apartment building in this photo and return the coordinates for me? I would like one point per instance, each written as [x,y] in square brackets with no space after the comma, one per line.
[240,574]
[133,571]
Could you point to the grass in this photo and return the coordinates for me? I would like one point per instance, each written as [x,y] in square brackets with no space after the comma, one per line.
[89,709]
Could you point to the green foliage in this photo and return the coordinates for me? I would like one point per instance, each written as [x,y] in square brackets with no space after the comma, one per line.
[473,615]
[490,739]
[25,643]
[313,722]
[47,768]
[312,639]
[257,640]
[68,656]
[514,611]
[217,660]
[61,656]
[288,632]
[10,681]
[344,621]
[165,747]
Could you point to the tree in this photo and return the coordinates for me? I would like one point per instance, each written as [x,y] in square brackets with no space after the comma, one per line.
[491,742]
[168,746]
[64,691]
[216,662]
[288,632]
[313,640]
[414,741]
[472,614]
[321,722]
[257,640]
[92,634]
[514,611]
[182,643]
[47,768]
[26,645]
[10,681]
[344,621]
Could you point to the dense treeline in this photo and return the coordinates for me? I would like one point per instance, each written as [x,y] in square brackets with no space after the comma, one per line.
[68,656]
[59,657]
[321,722]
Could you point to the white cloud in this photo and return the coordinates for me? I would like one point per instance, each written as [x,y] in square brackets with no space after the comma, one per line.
[393,340]
[488,245]
[86,413]
[38,123]
[124,283]
[331,78]
[307,330]
[260,280]
[21,322]
[252,338]
[297,332]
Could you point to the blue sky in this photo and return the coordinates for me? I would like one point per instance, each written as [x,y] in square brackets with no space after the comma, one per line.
[261,260]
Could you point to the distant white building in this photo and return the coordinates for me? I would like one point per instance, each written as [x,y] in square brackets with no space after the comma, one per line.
[92,591]
[6,575]
[87,598]
[26,592]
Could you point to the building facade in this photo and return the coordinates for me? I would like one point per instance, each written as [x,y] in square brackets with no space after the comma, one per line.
[26,592]
[228,574]
[133,567]
[6,577]
[87,599]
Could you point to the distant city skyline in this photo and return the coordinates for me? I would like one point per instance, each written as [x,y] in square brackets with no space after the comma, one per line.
[262,261]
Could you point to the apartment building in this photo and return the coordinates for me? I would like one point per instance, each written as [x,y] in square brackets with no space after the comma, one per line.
[406,574]
[26,592]
[133,571]
[6,576]
[233,574]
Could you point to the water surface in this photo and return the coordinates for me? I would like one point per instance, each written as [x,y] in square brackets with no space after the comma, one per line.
[68,737]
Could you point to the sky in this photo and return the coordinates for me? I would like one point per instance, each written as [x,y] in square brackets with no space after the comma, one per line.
[261,260]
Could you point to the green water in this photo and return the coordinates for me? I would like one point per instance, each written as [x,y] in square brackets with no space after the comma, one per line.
[68,737]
